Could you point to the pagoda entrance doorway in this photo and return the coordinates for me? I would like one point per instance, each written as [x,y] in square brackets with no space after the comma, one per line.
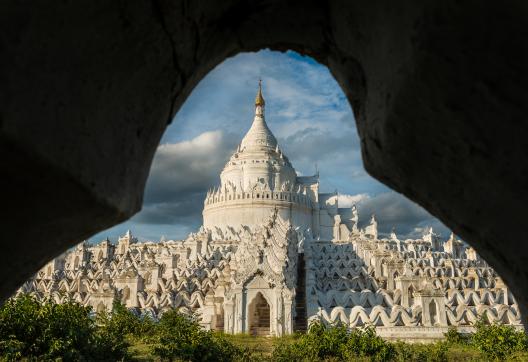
[259,316]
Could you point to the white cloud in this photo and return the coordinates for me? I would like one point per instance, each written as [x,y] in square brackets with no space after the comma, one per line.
[310,117]
[395,210]
[188,167]
[345,200]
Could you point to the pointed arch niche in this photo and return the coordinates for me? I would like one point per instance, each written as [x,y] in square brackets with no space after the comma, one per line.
[259,307]
[259,316]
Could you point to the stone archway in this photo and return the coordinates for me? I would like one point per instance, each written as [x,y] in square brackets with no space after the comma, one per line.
[259,316]
[101,308]
[441,84]
[410,293]
[125,296]
[433,312]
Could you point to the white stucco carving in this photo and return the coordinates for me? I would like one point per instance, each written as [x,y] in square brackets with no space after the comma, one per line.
[267,234]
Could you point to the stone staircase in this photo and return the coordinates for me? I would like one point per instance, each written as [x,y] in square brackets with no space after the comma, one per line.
[300,323]
[219,325]
[263,323]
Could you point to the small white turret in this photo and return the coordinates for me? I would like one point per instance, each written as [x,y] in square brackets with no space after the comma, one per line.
[372,229]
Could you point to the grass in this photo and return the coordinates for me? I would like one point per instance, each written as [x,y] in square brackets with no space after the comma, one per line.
[261,348]
[464,353]
[140,351]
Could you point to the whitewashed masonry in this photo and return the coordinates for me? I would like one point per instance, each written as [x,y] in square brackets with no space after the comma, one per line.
[273,254]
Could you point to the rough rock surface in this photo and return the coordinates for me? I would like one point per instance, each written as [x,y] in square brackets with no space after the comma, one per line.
[87,88]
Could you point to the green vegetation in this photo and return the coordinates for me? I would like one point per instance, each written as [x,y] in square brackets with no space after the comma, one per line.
[32,331]
[335,343]
[179,337]
[499,341]
[49,331]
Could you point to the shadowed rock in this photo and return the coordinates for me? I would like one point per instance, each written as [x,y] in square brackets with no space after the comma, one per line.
[87,88]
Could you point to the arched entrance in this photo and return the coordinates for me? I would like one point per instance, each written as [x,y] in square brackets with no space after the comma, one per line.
[410,291]
[101,308]
[259,316]
[433,313]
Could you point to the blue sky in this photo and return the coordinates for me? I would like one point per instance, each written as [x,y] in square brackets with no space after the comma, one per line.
[313,122]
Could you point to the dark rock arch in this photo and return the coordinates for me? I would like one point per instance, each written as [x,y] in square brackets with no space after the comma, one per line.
[87,88]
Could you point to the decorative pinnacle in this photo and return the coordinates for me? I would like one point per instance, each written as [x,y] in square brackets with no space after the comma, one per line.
[259,100]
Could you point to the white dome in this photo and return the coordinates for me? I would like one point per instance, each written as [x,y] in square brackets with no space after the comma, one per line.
[256,180]
[258,160]
[259,137]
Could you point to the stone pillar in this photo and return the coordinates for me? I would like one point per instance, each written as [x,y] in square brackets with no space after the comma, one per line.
[204,244]
[472,274]
[288,308]
[336,229]
[131,280]
[429,256]
[239,312]
[107,249]
[170,263]
[403,283]
[471,254]
[316,223]
[367,250]
[377,261]
[229,313]
[154,278]
[182,257]
[192,246]
[311,297]
[393,266]
[277,316]
[429,299]
[448,264]
[499,284]
[208,311]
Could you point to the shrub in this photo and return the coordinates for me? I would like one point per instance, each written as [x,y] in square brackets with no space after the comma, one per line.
[454,337]
[319,343]
[113,328]
[180,337]
[335,343]
[48,331]
[365,343]
[498,341]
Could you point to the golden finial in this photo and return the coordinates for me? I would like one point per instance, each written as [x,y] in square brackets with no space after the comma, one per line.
[259,100]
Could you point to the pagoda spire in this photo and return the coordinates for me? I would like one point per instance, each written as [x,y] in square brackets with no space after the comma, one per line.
[259,99]
[259,135]
[259,102]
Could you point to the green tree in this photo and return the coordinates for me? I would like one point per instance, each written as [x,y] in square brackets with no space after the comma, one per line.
[180,337]
[366,343]
[49,331]
[335,343]
[498,341]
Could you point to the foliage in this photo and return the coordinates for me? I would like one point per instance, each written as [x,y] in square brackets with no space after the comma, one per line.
[365,343]
[335,343]
[31,330]
[47,331]
[433,352]
[113,329]
[180,337]
[454,337]
[498,341]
